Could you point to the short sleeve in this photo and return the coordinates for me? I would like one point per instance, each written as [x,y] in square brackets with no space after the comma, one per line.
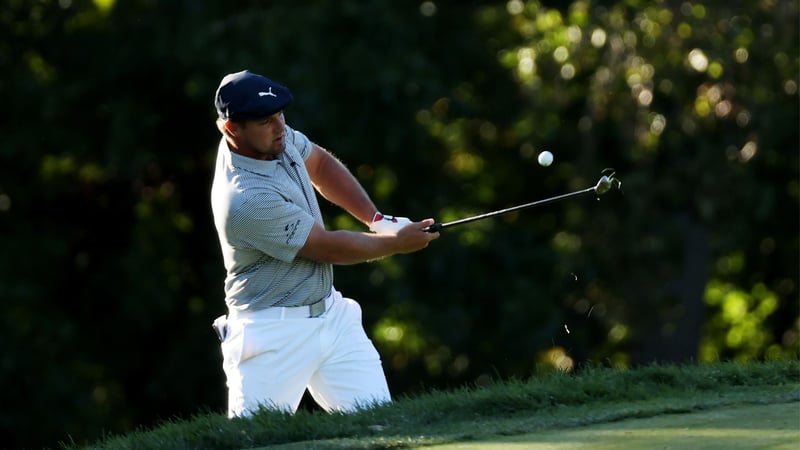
[300,142]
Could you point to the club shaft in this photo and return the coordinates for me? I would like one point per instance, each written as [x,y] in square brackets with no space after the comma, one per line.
[438,226]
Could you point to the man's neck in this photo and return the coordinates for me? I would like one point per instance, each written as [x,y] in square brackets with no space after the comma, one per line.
[249,153]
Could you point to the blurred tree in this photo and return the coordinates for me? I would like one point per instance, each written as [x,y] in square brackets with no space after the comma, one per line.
[110,271]
[105,300]
[668,95]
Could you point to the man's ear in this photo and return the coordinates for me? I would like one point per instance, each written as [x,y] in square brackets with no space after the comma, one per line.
[231,127]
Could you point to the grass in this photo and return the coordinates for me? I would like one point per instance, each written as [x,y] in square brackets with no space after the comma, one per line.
[552,401]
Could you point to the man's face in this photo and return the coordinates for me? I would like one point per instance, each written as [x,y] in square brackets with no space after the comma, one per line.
[262,138]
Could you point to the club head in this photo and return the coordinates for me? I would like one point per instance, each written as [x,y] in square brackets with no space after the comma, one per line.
[605,183]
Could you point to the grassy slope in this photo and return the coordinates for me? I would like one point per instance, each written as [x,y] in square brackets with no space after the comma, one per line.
[595,395]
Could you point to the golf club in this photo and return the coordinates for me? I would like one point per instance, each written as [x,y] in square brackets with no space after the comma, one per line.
[605,184]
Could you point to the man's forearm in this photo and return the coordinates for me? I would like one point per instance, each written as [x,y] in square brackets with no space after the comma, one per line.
[351,247]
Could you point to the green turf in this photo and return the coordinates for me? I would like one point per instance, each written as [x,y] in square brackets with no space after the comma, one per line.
[774,426]
[510,408]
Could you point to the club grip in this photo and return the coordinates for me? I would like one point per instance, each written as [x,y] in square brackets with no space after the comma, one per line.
[435,228]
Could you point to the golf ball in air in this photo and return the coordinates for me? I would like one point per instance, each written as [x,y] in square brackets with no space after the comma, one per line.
[545,158]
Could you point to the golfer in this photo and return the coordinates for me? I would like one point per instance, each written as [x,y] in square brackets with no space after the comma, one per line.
[288,329]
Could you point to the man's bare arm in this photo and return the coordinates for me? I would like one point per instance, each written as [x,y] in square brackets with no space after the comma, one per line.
[337,184]
[351,247]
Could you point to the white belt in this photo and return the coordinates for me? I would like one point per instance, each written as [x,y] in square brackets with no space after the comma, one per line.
[286,312]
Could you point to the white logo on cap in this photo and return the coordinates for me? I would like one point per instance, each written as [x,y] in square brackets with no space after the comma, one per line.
[264,94]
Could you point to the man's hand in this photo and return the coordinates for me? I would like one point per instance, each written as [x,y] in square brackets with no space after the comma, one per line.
[413,237]
[388,225]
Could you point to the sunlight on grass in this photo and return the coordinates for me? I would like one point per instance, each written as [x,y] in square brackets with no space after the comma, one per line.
[760,426]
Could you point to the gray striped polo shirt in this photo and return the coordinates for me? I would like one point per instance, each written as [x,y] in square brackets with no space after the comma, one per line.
[263,212]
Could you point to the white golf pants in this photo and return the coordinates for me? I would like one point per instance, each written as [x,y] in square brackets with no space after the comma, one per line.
[270,358]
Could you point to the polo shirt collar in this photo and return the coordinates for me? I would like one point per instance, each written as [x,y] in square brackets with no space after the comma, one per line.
[257,166]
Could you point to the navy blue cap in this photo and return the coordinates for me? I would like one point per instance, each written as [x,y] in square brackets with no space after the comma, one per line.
[247,96]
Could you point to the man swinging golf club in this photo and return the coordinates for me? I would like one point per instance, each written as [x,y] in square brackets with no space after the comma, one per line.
[288,329]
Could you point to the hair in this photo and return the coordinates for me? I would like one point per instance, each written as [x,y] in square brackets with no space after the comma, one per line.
[224,131]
